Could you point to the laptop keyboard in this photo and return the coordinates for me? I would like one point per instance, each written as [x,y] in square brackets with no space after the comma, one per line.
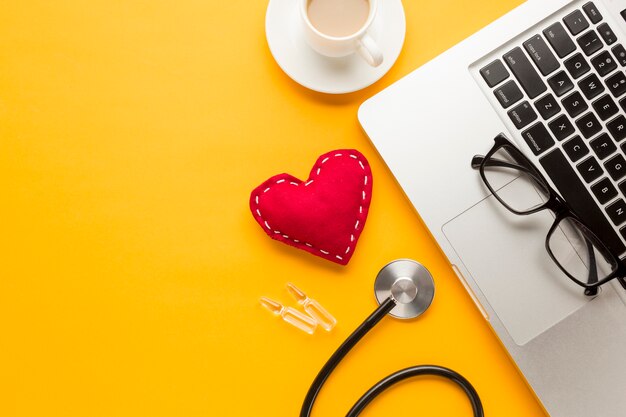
[564,90]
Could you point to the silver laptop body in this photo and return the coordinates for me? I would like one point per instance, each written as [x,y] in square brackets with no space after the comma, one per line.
[427,126]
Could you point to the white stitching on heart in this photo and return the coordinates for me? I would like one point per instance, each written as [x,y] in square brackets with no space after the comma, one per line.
[356,226]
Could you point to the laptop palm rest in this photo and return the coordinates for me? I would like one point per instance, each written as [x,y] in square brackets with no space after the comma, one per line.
[505,255]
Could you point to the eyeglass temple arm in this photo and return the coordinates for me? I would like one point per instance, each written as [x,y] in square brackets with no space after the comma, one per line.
[593,270]
[477,161]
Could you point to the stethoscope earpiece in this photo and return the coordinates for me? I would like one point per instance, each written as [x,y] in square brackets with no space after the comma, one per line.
[409,284]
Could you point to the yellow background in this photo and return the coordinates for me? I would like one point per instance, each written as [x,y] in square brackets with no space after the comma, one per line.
[131,134]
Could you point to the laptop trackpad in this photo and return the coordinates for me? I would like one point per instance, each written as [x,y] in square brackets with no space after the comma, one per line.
[506,256]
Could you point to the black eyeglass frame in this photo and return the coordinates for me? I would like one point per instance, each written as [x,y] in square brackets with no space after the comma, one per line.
[554,203]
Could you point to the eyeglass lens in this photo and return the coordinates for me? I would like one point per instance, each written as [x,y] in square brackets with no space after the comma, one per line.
[579,252]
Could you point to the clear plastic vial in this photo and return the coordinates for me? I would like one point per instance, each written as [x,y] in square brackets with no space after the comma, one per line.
[290,315]
[313,308]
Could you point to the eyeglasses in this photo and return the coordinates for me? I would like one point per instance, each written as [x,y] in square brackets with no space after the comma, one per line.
[577,251]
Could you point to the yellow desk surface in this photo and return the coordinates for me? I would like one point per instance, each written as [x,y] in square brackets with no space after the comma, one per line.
[131,134]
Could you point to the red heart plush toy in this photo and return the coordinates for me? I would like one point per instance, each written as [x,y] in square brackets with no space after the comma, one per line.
[323,215]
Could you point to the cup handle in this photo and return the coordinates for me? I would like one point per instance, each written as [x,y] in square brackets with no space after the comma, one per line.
[367,48]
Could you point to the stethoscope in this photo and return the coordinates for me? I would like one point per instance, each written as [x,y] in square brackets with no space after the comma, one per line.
[404,289]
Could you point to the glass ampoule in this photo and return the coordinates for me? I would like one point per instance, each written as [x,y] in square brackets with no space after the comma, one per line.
[313,308]
[290,315]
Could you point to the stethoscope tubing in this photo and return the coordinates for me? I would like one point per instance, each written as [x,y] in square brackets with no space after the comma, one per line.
[414,371]
[383,309]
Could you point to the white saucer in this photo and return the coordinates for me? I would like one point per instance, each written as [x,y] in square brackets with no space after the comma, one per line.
[285,37]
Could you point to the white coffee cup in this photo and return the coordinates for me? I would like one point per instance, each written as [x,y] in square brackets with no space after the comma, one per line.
[337,46]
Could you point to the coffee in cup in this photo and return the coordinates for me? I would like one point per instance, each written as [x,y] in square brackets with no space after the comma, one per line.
[338,18]
[337,28]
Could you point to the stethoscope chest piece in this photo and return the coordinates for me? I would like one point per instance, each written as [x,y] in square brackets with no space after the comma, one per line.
[410,285]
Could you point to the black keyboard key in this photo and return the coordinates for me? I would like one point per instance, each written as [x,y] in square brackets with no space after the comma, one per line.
[577,66]
[617,212]
[579,199]
[575,148]
[591,86]
[620,54]
[547,106]
[574,104]
[494,73]
[525,73]
[622,103]
[622,187]
[589,125]
[561,127]
[607,33]
[603,63]
[604,190]
[508,93]
[538,138]
[616,167]
[538,50]
[590,43]
[617,84]
[623,13]
[603,146]
[522,114]
[605,107]
[576,22]
[617,128]
[592,12]
[559,39]
[590,169]
[560,83]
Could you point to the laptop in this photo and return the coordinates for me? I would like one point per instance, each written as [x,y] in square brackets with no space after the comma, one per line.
[549,75]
